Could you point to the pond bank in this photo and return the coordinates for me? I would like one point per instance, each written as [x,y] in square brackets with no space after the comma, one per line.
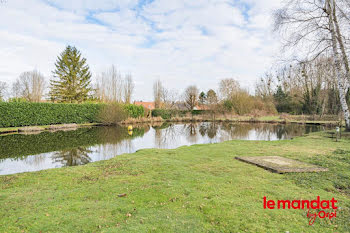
[192,188]
[234,119]
[84,145]
[157,120]
[41,128]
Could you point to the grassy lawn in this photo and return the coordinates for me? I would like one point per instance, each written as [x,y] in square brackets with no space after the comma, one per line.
[199,188]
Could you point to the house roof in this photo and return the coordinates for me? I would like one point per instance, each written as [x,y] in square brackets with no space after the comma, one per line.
[148,105]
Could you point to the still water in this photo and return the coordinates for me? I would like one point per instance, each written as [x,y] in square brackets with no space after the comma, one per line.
[26,153]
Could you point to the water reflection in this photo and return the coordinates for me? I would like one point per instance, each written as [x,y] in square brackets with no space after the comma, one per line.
[20,153]
[72,157]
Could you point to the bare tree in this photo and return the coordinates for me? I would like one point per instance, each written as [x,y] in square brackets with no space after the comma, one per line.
[128,88]
[338,35]
[312,28]
[212,98]
[330,8]
[191,97]
[3,90]
[158,92]
[212,102]
[264,87]
[109,86]
[16,89]
[228,87]
[31,85]
[169,97]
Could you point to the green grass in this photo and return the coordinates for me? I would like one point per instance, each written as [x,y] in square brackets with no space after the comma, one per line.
[200,188]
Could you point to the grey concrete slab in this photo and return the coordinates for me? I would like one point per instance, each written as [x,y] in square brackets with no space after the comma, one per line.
[281,165]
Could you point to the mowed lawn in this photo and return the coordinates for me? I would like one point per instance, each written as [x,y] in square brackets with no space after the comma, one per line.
[199,188]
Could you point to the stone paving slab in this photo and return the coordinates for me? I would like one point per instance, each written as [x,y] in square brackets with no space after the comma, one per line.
[281,165]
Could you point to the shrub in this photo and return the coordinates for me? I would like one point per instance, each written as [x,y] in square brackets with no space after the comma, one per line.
[198,112]
[17,114]
[163,113]
[112,114]
[17,100]
[134,111]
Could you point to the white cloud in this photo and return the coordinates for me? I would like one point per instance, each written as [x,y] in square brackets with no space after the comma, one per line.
[181,42]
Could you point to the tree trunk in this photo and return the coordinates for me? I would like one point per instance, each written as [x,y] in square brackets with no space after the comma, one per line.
[341,43]
[338,67]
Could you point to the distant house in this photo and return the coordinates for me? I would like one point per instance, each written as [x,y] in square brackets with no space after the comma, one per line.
[182,106]
[148,105]
[201,107]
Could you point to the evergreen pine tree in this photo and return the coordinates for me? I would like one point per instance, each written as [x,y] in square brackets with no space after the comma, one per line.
[282,100]
[202,98]
[72,78]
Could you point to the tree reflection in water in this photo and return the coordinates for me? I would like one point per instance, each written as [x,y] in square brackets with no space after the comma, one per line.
[72,157]
[45,150]
[164,135]
[203,129]
[212,130]
[191,132]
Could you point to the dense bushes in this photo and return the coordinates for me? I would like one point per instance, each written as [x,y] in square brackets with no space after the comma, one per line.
[170,113]
[111,114]
[24,114]
[134,111]
[163,113]
[243,104]
[18,114]
[198,112]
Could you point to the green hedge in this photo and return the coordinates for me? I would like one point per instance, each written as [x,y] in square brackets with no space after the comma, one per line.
[164,113]
[26,114]
[169,113]
[134,111]
[198,112]
[16,114]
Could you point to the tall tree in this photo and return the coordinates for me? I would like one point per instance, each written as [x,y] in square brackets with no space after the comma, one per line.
[168,98]
[128,88]
[282,100]
[157,93]
[212,98]
[30,85]
[109,86]
[71,78]
[228,87]
[312,29]
[212,101]
[330,9]
[264,86]
[202,97]
[191,97]
[3,90]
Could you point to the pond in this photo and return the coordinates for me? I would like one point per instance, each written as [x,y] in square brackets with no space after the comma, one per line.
[26,153]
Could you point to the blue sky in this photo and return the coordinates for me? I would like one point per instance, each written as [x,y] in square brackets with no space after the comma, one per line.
[180,42]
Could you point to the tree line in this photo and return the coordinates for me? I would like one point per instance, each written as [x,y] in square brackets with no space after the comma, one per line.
[70,83]
[303,88]
[314,78]
[316,35]
[229,98]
